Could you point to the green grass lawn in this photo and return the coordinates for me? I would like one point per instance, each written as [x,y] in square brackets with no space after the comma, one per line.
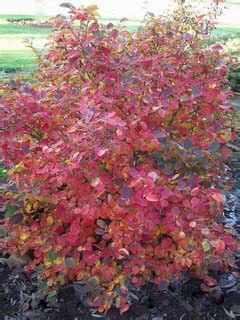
[14,56]
[16,60]
[16,16]
[14,29]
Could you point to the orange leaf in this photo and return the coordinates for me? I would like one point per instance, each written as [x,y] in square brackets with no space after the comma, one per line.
[218,197]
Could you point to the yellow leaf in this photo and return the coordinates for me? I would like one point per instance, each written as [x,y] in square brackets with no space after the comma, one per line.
[47,264]
[20,166]
[227,136]
[58,261]
[28,208]
[158,230]
[50,282]
[92,7]
[61,280]
[23,236]
[49,221]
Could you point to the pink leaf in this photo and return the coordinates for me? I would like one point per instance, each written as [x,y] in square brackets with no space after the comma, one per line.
[217,47]
[152,197]
[101,152]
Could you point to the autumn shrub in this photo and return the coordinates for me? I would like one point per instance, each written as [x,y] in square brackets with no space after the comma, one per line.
[116,158]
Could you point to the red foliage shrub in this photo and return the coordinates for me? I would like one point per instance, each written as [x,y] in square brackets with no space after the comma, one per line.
[117,155]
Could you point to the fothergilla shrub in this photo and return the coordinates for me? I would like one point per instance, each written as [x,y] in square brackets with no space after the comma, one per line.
[116,158]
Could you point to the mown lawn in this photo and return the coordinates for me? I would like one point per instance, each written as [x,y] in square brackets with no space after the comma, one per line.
[14,29]
[14,56]
[16,60]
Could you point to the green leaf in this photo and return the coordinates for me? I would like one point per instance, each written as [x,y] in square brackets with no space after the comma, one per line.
[3,231]
[214,146]
[52,296]
[205,246]
[10,211]
[3,173]
[52,293]
[195,91]
[42,285]
[52,255]
[225,87]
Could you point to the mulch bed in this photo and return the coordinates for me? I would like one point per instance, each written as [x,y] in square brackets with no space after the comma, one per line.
[182,300]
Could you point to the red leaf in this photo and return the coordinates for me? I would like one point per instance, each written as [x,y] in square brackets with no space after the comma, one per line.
[124,308]
[90,257]
[74,229]
[229,240]
[164,203]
